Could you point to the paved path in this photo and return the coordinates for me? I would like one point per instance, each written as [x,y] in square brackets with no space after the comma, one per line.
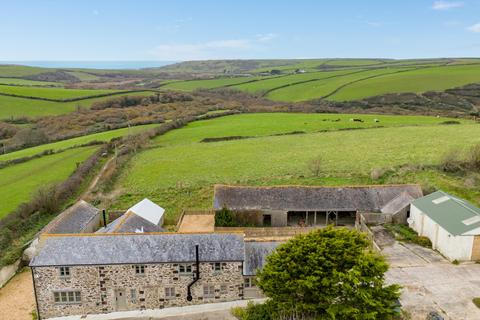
[430,282]
[210,311]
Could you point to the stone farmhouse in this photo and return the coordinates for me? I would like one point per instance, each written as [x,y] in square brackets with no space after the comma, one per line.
[89,274]
[451,223]
[316,206]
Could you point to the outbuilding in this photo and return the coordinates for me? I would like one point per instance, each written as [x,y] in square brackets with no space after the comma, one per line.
[451,223]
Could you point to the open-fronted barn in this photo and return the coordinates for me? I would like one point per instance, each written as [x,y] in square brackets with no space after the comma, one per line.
[312,206]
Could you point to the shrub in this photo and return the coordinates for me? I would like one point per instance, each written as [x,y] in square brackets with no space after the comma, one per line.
[253,311]
[224,218]
[473,157]
[476,301]
[450,162]
[377,173]
[423,241]
[456,262]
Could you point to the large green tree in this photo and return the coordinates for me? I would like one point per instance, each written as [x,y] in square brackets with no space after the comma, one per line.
[331,273]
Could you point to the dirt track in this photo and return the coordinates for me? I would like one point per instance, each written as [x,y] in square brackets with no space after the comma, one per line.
[16,298]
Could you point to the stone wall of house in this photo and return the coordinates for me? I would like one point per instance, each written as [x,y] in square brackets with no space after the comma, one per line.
[99,284]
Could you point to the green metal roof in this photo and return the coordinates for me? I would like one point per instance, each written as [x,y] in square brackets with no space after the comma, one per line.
[455,215]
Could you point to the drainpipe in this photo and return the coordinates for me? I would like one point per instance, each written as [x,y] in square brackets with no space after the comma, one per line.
[104,218]
[196,278]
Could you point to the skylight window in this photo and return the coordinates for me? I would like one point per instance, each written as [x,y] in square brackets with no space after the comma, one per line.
[441,200]
[471,220]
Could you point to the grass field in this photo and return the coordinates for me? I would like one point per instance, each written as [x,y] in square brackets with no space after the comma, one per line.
[15,71]
[55,146]
[13,107]
[181,171]
[191,85]
[52,93]
[417,81]
[23,82]
[322,88]
[21,180]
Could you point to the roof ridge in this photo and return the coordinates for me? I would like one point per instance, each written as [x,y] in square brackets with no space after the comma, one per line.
[58,235]
[326,187]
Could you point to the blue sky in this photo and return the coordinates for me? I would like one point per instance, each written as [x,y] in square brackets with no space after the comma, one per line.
[177,30]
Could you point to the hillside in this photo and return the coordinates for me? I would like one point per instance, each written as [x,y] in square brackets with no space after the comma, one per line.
[178,170]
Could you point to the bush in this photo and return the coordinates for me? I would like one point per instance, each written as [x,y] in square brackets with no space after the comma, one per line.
[476,301]
[224,218]
[407,234]
[263,311]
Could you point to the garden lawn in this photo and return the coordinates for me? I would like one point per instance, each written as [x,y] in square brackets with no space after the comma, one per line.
[20,181]
[69,143]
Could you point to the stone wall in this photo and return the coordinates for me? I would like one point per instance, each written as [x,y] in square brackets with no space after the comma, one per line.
[99,284]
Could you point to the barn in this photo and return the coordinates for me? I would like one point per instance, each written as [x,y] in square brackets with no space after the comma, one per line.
[281,206]
[451,223]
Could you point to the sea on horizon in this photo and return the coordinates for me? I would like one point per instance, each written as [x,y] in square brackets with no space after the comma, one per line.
[92,64]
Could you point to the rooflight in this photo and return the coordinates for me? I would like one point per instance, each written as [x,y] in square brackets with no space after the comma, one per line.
[471,220]
[441,200]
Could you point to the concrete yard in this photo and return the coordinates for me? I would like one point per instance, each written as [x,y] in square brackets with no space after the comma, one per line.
[431,283]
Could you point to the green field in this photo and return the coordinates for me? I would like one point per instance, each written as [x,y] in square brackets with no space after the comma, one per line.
[69,143]
[21,180]
[191,85]
[15,71]
[321,88]
[13,107]
[52,93]
[23,82]
[180,172]
[431,79]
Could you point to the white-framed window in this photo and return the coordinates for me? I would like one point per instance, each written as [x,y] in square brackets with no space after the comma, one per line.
[249,282]
[223,288]
[64,272]
[170,293]
[139,269]
[208,291]
[133,295]
[217,266]
[185,269]
[67,297]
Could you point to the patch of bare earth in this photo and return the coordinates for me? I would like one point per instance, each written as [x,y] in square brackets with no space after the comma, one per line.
[16,298]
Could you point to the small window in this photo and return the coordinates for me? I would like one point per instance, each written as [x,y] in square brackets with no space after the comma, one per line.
[223,288]
[185,269]
[64,272]
[208,291]
[67,297]
[133,295]
[170,293]
[217,266]
[140,269]
[249,282]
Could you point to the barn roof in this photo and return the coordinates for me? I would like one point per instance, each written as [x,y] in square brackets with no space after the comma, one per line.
[453,214]
[96,249]
[256,254]
[74,219]
[130,222]
[306,198]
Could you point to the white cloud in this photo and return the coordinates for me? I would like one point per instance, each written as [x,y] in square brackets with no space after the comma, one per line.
[374,24]
[446,5]
[475,28]
[217,49]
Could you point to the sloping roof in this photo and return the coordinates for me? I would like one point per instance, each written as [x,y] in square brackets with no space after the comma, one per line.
[138,248]
[305,198]
[134,223]
[398,203]
[255,255]
[453,214]
[73,220]
[148,211]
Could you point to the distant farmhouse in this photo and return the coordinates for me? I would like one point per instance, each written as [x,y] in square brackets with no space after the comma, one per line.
[316,206]
[452,224]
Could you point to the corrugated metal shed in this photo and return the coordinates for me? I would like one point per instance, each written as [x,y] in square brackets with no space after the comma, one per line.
[453,214]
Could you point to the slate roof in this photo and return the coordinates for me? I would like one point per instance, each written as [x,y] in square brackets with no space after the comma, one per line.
[398,203]
[453,214]
[255,255]
[73,220]
[305,198]
[129,223]
[138,248]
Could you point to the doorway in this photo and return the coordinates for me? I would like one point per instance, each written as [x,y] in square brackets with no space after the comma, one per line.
[120,300]
[267,220]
